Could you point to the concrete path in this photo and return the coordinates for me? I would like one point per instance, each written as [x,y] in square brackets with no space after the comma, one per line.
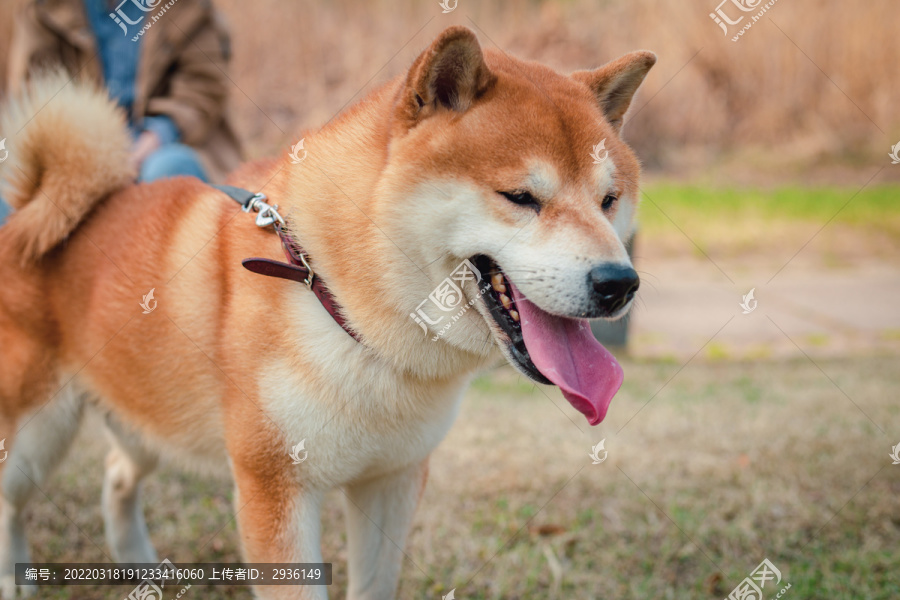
[688,305]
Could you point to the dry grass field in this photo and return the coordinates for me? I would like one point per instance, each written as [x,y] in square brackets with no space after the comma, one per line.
[711,468]
[813,87]
[810,92]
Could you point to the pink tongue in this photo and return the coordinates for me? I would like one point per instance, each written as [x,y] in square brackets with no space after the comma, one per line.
[566,352]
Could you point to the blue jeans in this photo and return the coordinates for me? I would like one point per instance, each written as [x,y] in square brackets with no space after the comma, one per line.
[171,160]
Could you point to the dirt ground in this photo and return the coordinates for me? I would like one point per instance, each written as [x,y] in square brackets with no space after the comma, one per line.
[690,305]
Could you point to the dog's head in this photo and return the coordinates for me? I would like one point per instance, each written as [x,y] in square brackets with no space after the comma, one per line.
[520,171]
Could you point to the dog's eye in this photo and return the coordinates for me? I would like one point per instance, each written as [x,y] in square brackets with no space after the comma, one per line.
[608,201]
[522,199]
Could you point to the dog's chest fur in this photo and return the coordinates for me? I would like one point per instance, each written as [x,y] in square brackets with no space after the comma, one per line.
[364,423]
[359,416]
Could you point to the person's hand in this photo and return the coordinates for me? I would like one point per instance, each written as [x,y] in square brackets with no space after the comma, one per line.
[146,144]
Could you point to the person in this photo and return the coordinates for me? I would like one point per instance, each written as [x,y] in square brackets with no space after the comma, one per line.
[165,64]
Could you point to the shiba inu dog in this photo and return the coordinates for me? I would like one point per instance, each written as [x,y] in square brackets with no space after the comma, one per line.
[471,155]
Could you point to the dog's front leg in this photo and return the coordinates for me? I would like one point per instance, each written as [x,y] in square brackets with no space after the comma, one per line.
[379,515]
[279,522]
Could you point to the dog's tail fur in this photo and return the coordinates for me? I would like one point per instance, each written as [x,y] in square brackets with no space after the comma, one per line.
[68,148]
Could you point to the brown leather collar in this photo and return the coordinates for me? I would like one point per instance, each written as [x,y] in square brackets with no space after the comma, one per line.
[297,268]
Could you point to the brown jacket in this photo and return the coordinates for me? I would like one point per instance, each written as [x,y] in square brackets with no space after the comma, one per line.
[181,74]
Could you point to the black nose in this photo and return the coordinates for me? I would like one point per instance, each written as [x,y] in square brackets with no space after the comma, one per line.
[614,286]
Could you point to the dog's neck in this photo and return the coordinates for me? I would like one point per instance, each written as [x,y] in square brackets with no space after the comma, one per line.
[330,200]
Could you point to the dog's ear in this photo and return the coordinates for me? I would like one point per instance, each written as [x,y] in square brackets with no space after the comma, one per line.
[450,74]
[615,83]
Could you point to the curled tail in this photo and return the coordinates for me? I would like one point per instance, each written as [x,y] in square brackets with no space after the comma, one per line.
[68,147]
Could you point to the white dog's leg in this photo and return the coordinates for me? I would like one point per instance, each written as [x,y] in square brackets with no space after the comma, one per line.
[379,515]
[127,463]
[279,520]
[33,453]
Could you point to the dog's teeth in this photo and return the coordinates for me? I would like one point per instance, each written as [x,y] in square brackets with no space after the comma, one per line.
[497,283]
[515,315]
[505,301]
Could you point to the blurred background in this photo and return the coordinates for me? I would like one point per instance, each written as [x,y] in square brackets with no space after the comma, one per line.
[739,434]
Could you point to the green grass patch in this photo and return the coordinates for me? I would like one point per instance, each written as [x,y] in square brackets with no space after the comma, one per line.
[874,207]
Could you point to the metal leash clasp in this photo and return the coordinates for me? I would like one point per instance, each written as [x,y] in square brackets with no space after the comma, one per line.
[296,256]
[309,278]
[268,214]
